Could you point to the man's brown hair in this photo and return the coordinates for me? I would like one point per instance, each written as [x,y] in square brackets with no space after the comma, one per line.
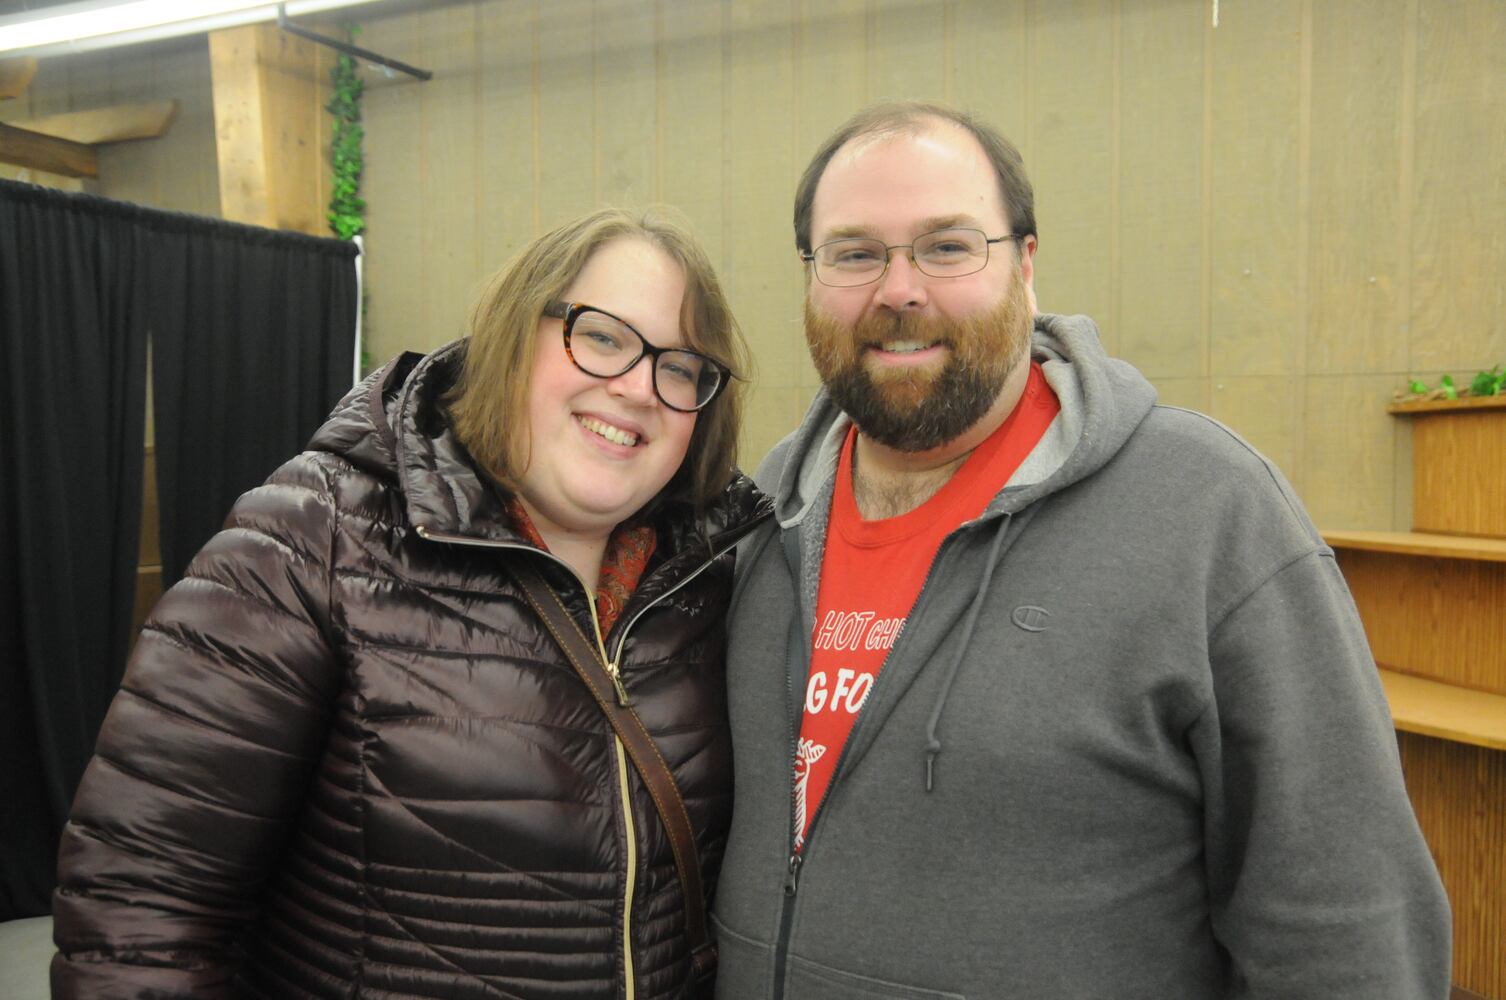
[909,118]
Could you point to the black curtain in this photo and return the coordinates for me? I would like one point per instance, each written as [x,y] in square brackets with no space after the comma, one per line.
[253,337]
[253,342]
[73,334]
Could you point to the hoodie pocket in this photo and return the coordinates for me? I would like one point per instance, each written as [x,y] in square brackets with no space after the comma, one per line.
[744,967]
[811,980]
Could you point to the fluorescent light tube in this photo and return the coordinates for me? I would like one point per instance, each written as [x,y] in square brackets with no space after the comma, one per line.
[94,24]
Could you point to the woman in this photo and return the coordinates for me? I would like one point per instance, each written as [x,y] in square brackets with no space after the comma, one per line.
[349,758]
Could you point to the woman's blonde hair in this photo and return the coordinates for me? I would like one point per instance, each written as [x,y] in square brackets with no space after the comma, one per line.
[489,403]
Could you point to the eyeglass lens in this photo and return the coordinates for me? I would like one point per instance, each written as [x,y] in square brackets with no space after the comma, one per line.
[606,347]
[946,253]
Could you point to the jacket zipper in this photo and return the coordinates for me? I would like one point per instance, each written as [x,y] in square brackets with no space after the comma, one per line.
[613,666]
[624,793]
[623,789]
[797,858]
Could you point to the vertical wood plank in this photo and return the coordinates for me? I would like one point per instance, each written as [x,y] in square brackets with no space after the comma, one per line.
[909,50]
[395,219]
[506,33]
[1254,208]
[989,62]
[761,272]
[1071,158]
[832,63]
[177,171]
[692,130]
[1356,169]
[626,105]
[1347,470]
[567,119]
[1189,393]
[1160,177]
[1459,794]
[450,266]
[1264,410]
[1459,233]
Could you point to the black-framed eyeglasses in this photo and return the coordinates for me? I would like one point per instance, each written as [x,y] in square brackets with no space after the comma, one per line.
[605,346]
[945,253]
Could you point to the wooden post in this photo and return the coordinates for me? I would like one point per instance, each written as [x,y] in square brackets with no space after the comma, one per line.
[270,89]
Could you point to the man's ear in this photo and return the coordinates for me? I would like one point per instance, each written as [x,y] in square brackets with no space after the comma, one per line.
[1027,270]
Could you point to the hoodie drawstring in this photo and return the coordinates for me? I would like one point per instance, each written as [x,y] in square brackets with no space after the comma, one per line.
[933,741]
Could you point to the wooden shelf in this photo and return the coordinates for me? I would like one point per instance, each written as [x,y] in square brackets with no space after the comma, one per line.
[1432,708]
[1448,405]
[1420,543]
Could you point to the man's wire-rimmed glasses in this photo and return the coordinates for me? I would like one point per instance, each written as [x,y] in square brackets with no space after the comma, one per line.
[945,253]
[605,346]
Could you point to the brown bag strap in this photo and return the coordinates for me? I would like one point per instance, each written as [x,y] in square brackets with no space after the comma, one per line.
[641,749]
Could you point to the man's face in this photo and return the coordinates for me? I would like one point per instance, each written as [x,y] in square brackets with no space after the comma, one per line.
[916,360]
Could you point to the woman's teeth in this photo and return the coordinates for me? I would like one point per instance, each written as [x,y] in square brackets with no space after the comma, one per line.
[613,434]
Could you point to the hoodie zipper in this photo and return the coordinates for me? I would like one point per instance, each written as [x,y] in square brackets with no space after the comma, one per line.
[613,666]
[797,858]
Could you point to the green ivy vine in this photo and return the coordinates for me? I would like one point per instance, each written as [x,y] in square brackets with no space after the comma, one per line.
[1485,383]
[347,210]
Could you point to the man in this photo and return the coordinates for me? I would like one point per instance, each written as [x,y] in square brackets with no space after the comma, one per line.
[1038,689]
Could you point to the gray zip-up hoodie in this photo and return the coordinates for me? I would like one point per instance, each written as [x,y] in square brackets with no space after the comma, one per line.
[1130,743]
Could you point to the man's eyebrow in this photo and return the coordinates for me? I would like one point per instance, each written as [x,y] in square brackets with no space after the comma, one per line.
[846,232]
[959,220]
[928,225]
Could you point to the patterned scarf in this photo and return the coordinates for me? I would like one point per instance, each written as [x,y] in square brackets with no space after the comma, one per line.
[622,564]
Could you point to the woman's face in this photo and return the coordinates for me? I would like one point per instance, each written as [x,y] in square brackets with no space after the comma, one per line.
[601,448]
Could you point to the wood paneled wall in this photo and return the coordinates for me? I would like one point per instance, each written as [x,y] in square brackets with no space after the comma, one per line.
[1278,219]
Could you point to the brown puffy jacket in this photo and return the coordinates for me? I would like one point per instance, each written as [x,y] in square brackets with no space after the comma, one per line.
[348,761]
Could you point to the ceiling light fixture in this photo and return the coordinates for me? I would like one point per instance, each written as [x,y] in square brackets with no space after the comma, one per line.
[96,24]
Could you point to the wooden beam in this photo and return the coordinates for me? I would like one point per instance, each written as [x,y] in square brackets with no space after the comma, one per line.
[15,76]
[43,152]
[113,124]
[269,97]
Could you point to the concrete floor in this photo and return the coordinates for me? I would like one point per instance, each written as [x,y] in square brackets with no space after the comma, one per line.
[25,952]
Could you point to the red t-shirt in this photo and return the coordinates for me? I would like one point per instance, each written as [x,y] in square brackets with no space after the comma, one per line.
[871,575]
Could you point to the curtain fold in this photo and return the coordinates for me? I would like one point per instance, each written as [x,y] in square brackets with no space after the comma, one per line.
[73,335]
[252,335]
[252,339]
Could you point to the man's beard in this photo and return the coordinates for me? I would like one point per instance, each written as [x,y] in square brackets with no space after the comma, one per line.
[918,409]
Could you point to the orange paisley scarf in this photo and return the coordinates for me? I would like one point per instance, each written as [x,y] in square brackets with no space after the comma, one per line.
[622,564]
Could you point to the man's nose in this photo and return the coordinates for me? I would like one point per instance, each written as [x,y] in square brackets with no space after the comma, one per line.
[902,285]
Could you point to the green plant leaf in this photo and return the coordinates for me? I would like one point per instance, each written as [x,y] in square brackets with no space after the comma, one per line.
[1417,386]
[1487,383]
[1447,383]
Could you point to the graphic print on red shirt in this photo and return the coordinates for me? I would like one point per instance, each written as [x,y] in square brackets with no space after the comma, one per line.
[871,574]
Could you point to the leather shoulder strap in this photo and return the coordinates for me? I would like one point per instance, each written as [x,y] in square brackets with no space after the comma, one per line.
[641,750]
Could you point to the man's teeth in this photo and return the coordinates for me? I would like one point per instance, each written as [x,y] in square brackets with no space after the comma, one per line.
[613,434]
[904,346]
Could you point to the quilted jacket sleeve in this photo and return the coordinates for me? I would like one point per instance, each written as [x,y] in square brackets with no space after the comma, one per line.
[203,760]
